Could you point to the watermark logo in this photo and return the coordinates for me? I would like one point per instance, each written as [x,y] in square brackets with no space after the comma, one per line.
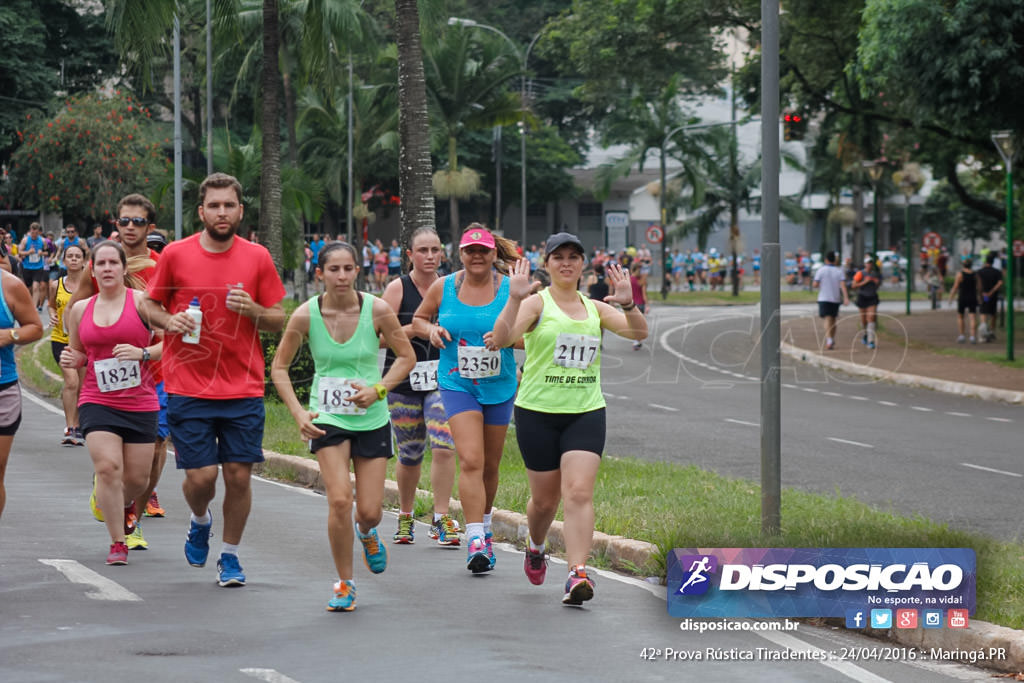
[881,618]
[932,618]
[956,618]
[822,582]
[696,579]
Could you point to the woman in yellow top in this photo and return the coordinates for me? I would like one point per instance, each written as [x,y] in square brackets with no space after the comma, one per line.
[60,294]
[560,410]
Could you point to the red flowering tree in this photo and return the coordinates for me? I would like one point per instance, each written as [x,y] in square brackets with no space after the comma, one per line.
[96,149]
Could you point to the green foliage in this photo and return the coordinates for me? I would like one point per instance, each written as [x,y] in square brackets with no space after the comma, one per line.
[947,215]
[81,161]
[301,370]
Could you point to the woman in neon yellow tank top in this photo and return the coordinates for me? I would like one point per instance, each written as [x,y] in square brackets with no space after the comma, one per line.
[60,294]
[560,411]
[347,419]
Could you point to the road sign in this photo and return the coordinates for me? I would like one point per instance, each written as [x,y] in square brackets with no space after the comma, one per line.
[931,240]
[616,219]
[1018,248]
[655,234]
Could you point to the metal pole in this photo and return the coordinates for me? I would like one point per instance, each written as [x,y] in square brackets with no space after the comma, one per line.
[522,155]
[1009,260]
[771,394]
[664,234]
[177,130]
[348,192]
[909,274]
[497,182]
[874,231]
[209,91]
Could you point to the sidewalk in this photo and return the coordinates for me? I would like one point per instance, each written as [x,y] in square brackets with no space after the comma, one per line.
[907,353]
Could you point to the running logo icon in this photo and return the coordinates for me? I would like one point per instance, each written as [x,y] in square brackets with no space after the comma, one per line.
[695,574]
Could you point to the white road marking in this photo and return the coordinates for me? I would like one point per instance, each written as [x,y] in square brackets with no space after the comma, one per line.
[810,390]
[852,443]
[989,469]
[858,398]
[850,670]
[887,403]
[296,487]
[999,419]
[955,414]
[922,409]
[268,675]
[661,407]
[105,588]
[742,422]
[831,393]
[41,403]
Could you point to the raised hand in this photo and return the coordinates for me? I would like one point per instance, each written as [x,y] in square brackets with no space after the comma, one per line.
[622,290]
[519,280]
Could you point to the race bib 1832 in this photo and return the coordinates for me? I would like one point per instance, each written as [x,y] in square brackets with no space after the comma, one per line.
[334,393]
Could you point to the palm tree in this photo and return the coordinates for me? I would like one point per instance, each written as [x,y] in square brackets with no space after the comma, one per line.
[417,209]
[467,75]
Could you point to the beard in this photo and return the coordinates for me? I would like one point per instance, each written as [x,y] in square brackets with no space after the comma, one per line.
[222,236]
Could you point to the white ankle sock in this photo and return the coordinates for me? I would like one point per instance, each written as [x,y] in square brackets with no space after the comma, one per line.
[205,520]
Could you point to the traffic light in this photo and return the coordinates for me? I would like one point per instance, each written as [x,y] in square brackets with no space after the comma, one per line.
[794,126]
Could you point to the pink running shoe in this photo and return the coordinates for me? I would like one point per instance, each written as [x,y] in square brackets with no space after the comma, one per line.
[536,566]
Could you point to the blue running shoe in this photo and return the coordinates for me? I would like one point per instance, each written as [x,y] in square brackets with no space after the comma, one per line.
[230,571]
[197,544]
[344,599]
[477,560]
[374,552]
[490,550]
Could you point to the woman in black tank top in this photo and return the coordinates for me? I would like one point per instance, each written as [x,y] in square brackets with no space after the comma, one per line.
[965,288]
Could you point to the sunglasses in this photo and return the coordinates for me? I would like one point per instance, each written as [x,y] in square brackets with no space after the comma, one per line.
[138,220]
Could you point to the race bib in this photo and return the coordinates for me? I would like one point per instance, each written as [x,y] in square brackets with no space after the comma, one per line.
[35,257]
[576,350]
[114,375]
[334,394]
[424,376]
[476,362]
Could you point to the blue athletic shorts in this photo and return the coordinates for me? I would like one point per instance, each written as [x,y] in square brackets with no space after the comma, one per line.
[211,432]
[456,402]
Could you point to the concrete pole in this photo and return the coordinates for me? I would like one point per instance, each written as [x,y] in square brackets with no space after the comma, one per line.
[177,131]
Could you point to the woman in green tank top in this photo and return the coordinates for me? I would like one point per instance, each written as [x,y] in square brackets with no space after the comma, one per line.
[559,410]
[347,419]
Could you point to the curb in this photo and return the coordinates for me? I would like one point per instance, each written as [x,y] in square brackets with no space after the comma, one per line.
[622,553]
[944,386]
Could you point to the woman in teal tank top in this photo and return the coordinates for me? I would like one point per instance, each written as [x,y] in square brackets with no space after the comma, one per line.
[560,411]
[347,419]
[477,383]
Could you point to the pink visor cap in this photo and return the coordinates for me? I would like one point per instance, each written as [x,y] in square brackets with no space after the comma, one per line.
[477,236]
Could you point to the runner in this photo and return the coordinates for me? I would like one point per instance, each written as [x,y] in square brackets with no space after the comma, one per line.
[560,411]
[417,413]
[965,291]
[477,384]
[866,282]
[136,217]
[16,306]
[117,405]
[61,291]
[347,420]
[32,252]
[215,384]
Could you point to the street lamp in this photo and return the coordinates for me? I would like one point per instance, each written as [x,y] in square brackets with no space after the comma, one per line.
[1006,144]
[875,170]
[524,58]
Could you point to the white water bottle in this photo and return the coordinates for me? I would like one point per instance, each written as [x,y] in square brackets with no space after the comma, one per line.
[196,314]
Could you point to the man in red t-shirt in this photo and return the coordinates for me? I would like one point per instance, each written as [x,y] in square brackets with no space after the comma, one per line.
[215,387]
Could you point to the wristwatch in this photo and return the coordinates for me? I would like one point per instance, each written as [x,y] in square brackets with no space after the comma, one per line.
[15,337]
[382,391]
[145,354]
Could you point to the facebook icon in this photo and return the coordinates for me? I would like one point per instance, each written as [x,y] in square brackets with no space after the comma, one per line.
[855,618]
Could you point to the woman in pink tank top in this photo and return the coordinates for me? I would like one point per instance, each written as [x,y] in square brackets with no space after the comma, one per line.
[117,406]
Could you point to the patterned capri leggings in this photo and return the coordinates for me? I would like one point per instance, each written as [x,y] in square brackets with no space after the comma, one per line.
[415,417]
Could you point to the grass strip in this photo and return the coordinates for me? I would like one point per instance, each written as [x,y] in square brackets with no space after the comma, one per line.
[746,298]
[682,506]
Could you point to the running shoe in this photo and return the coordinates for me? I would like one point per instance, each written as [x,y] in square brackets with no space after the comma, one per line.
[134,540]
[449,533]
[579,588]
[536,566]
[197,543]
[79,436]
[490,549]
[69,437]
[153,508]
[96,512]
[344,599]
[404,535]
[871,345]
[435,529]
[476,556]
[131,519]
[961,339]
[118,554]
[374,553]
[229,571]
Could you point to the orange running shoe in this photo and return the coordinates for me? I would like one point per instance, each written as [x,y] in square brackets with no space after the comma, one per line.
[130,519]
[153,508]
